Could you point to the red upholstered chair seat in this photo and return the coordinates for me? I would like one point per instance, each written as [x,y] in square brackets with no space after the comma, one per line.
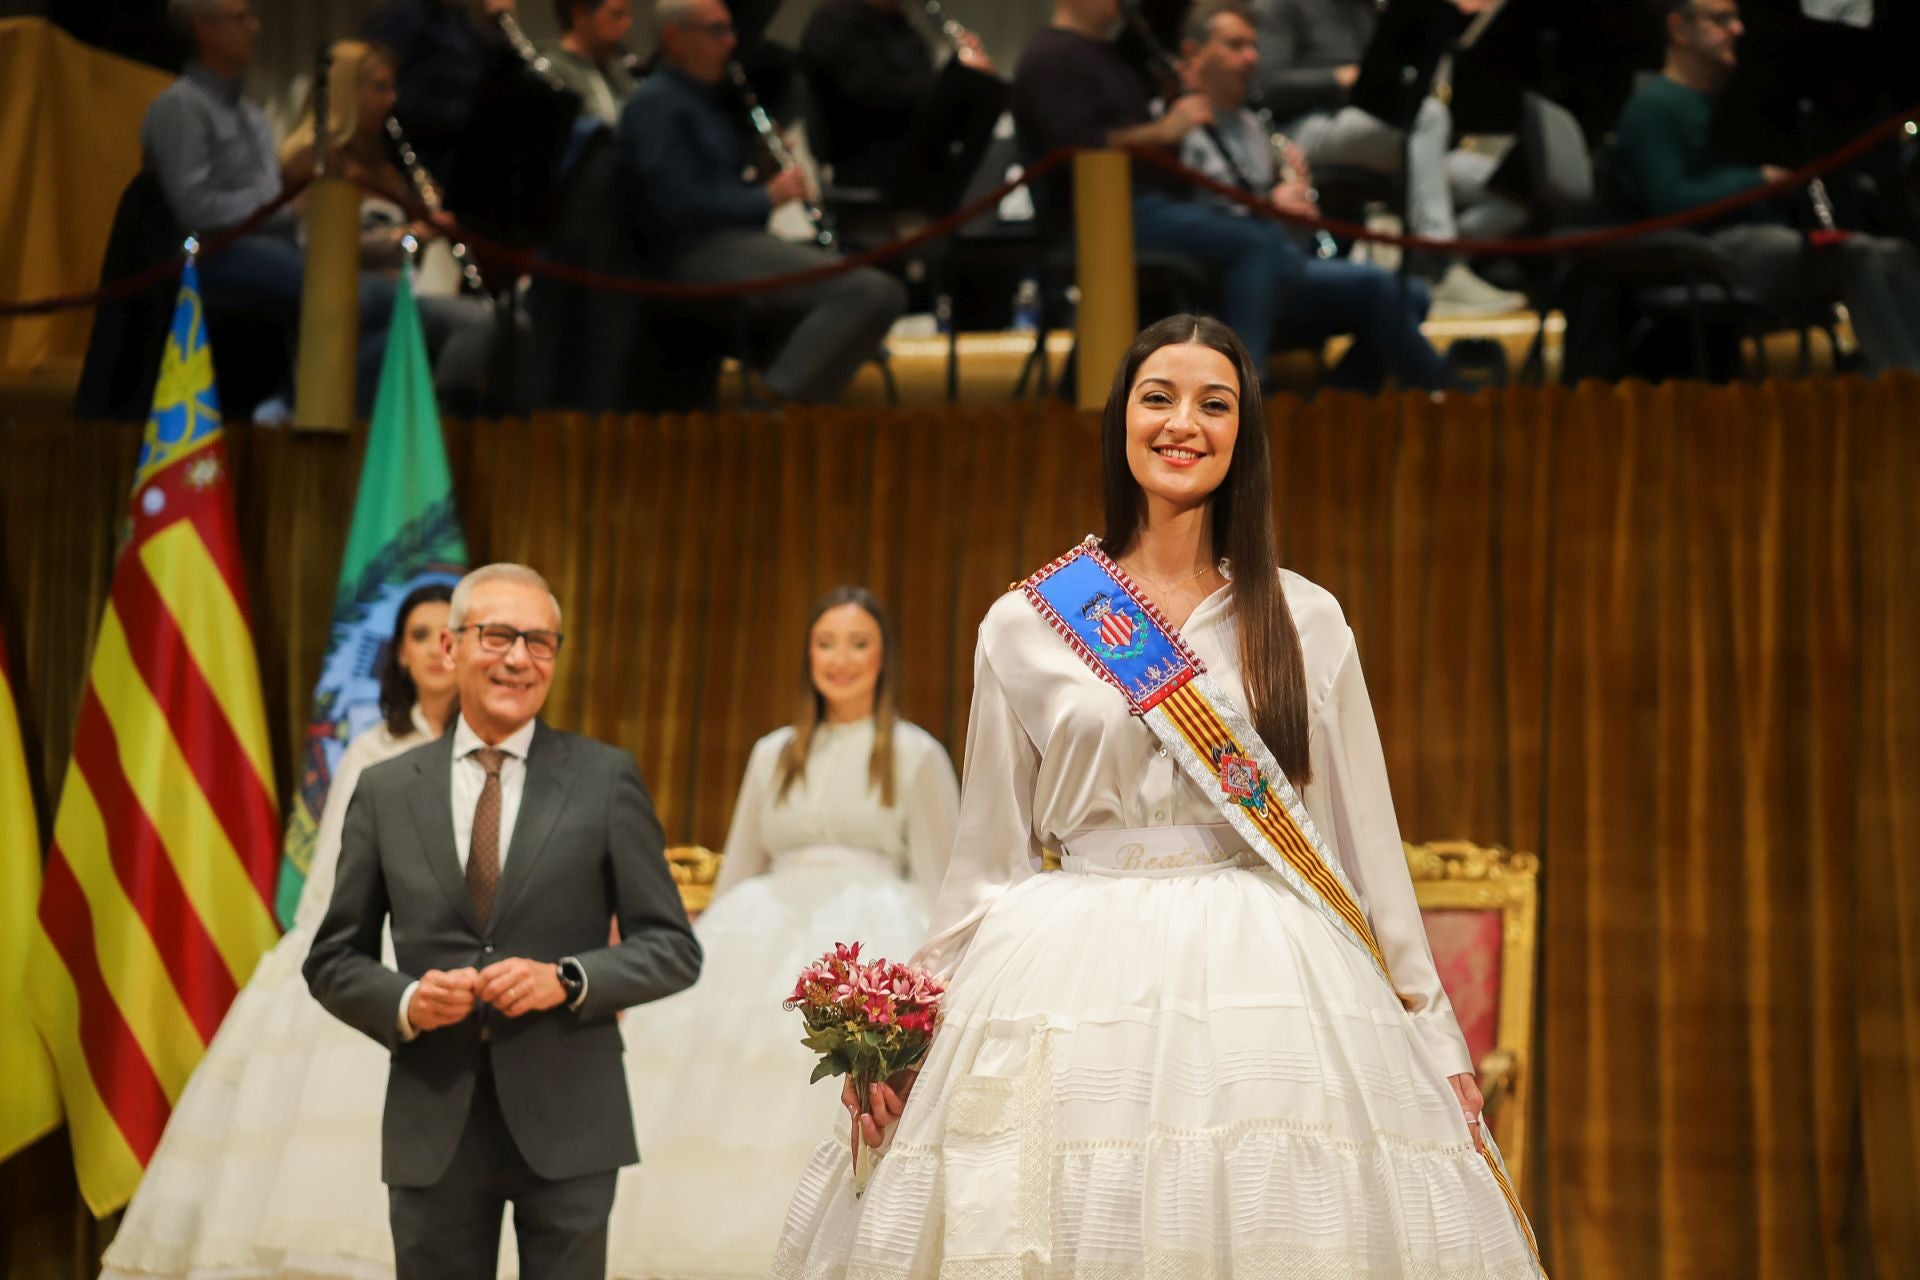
[1466,950]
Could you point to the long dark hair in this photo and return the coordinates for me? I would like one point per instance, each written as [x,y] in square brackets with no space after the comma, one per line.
[1275,672]
[397,691]
[812,707]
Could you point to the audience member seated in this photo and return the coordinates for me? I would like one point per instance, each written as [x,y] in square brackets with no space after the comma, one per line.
[360,94]
[870,68]
[1665,149]
[702,221]
[1310,52]
[591,57]
[213,156]
[445,51]
[1075,89]
[1219,57]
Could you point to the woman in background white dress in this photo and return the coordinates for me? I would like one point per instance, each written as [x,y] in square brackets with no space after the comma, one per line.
[270,1163]
[840,834]
[1161,1061]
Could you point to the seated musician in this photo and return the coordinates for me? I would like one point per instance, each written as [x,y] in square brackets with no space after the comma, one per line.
[1310,52]
[445,51]
[360,95]
[1219,56]
[1073,88]
[213,156]
[590,58]
[702,221]
[1665,149]
[869,68]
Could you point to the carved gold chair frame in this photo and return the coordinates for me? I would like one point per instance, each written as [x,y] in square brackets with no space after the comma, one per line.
[1461,876]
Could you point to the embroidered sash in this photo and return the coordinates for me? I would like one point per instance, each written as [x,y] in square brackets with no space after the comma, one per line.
[1124,638]
[1096,608]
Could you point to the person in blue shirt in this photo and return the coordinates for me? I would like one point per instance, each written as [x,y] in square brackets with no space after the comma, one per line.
[1664,143]
[702,221]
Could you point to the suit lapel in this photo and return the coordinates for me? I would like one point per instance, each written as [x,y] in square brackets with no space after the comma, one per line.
[548,782]
[432,798]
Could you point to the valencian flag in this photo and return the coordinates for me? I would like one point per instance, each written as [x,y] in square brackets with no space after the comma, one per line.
[29,1096]
[158,889]
[405,533]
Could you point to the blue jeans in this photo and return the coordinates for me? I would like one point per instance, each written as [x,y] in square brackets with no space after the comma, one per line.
[1381,311]
[263,275]
[1257,269]
[1270,286]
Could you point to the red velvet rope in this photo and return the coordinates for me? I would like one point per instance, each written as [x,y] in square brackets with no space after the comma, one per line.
[527,262]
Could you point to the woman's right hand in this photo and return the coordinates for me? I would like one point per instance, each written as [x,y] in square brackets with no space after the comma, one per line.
[885,1104]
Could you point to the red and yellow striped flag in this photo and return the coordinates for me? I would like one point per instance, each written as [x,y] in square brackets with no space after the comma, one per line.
[159,883]
[29,1100]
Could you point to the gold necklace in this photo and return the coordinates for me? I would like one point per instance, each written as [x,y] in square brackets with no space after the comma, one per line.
[1172,586]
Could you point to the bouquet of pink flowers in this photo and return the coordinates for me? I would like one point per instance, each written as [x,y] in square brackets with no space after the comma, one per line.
[865,1020]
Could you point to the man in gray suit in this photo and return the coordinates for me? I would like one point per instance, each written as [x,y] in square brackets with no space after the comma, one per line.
[500,853]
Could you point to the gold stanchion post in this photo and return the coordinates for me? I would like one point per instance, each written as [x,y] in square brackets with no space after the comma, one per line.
[329,308]
[330,289]
[1109,313]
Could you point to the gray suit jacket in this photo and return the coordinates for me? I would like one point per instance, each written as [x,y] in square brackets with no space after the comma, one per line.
[586,849]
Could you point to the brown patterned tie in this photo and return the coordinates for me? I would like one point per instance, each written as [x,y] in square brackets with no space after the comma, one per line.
[483,853]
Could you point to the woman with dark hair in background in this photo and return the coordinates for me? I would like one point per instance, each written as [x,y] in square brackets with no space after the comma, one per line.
[270,1163]
[840,833]
[1214,1043]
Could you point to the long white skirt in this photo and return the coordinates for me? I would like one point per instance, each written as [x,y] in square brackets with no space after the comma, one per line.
[1165,1075]
[725,1118]
[270,1163]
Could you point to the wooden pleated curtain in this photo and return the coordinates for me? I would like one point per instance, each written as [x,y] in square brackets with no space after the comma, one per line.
[1664,636]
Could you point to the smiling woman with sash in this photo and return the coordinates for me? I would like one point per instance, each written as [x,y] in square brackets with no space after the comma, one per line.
[1214,1043]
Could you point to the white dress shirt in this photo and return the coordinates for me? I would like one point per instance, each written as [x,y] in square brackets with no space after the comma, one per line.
[469,777]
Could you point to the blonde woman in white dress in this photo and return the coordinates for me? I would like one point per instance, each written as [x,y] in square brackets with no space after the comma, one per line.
[270,1163]
[1163,1061]
[840,834]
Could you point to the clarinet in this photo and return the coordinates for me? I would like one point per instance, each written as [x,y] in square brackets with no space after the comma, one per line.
[535,61]
[1324,243]
[956,35]
[777,148]
[429,193]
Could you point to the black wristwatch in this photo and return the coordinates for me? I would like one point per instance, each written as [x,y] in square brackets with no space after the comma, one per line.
[573,978]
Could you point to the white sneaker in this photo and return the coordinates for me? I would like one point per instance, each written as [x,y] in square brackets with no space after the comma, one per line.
[1462,293]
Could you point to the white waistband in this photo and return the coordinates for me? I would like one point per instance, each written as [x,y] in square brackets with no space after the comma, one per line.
[835,857]
[1157,850]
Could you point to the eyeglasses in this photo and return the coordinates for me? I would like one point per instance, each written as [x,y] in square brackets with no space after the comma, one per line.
[497,637]
[712,30]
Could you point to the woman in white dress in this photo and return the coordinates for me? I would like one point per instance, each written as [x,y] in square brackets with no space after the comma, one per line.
[841,832]
[270,1163]
[1164,1061]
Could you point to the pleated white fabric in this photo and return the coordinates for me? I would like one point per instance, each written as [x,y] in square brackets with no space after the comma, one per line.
[1171,1074]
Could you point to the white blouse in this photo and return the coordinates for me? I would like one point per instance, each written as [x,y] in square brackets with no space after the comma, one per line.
[1052,754]
[834,802]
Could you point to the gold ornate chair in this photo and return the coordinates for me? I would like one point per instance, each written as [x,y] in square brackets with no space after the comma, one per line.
[1481,908]
[694,869]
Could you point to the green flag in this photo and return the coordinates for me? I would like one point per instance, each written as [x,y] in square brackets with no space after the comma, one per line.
[405,533]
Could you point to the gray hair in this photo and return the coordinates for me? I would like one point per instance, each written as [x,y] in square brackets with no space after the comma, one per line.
[673,13]
[182,14]
[503,572]
[1198,26]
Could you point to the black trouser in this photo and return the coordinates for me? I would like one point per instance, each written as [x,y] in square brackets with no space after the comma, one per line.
[451,1230]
